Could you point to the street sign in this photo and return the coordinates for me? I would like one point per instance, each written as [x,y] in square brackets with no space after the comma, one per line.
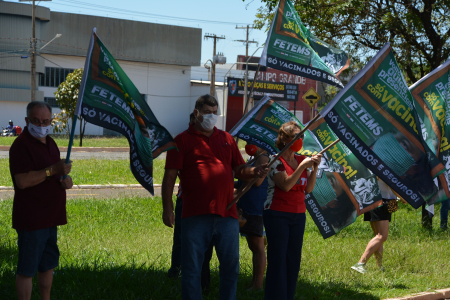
[311,97]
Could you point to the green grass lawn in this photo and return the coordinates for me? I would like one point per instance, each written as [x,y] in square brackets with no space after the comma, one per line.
[88,141]
[95,171]
[119,249]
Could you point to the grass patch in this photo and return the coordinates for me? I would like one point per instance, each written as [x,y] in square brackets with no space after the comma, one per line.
[88,141]
[91,141]
[119,249]
[95,171]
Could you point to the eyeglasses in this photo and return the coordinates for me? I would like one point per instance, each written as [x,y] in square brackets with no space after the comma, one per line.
[36,122]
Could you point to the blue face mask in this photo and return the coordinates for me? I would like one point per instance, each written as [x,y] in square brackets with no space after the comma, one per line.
[39,132]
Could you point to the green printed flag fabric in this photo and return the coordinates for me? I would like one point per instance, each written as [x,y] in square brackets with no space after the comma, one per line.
[431,96]
[374,117]
[291,47]
[339,198]
[344,189]
[109,99]
[260,127]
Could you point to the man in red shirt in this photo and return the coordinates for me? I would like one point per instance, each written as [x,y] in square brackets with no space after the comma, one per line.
[206,160]
[39,200]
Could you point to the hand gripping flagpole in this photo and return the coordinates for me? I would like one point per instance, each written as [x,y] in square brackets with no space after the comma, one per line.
[244,189]
[80,97]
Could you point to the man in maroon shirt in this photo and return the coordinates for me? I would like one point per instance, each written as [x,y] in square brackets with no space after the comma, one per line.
[206,160]
[39,200]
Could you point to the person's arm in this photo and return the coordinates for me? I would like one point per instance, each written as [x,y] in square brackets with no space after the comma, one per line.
[262,160]
[245,172]
[312,175]
[170,176]
[285,182]
[33,178]
[66,183]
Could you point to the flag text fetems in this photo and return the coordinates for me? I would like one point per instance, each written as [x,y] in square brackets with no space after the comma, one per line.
[109,99]
[344,188]
[374,117]
[431,96]
[292,48]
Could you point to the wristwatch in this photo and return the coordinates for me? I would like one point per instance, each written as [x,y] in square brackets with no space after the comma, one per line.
[48,172]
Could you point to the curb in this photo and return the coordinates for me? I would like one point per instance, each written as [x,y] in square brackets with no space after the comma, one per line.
[96,186]
[84,149]
[436,295]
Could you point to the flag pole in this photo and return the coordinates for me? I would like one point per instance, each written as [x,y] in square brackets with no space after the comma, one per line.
[249,94]
[72,133]
[244,189]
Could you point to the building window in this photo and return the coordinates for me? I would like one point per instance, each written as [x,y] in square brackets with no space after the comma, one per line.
[53,77]
[51,101]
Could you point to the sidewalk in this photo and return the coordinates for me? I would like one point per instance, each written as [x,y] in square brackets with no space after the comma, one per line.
[436,295]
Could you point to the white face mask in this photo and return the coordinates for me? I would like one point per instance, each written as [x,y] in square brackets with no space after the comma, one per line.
[37,131]
[209,121]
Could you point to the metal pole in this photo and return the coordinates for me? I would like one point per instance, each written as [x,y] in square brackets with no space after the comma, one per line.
[33,54]
[251,89]
[247,187]
[212,89]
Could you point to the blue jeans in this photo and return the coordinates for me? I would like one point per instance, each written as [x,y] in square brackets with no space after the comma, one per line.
[445,207]
[197,233]
[284,233]
[175,268]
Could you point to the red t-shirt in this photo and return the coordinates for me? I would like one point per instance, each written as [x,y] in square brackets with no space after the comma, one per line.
[206,171]
[43,205]
[279,200]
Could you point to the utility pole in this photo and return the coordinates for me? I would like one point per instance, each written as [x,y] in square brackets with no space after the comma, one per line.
[33,53]
[248,27]
[33,48]
[212,88]
[246,58]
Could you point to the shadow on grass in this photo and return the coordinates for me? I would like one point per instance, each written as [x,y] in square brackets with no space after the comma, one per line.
[104,280]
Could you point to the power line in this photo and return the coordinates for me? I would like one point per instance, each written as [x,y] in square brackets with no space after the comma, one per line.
[109,9]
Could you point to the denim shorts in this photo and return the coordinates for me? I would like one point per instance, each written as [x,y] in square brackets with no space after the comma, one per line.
[38,251]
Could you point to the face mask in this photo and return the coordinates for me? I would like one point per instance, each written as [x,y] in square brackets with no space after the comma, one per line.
[297,145]
[37,131]
[251,149]
[209,121]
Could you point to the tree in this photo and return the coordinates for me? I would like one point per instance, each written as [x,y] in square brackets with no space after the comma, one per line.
[418,31]
[66,96]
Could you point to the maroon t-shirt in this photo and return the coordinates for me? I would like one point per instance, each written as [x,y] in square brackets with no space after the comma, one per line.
[206,171]
[43,205]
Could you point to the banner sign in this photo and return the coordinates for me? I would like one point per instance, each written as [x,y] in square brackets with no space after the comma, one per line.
[339,198]
[109,99]
[375,118]
[277,90]
[291,47]
[344,188]
[260,127]
[431,96]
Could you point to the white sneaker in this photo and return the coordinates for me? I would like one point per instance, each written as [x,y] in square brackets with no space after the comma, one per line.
[360,267]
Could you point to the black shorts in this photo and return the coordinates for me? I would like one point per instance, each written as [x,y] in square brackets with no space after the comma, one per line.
[378,214]
[254,225]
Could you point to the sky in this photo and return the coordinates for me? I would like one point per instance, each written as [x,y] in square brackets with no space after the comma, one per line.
[213,16]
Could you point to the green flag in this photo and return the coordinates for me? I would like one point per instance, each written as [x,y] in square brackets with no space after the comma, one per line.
[375,118]
[292,48]
[344,188]
[431,96]
[109,99]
